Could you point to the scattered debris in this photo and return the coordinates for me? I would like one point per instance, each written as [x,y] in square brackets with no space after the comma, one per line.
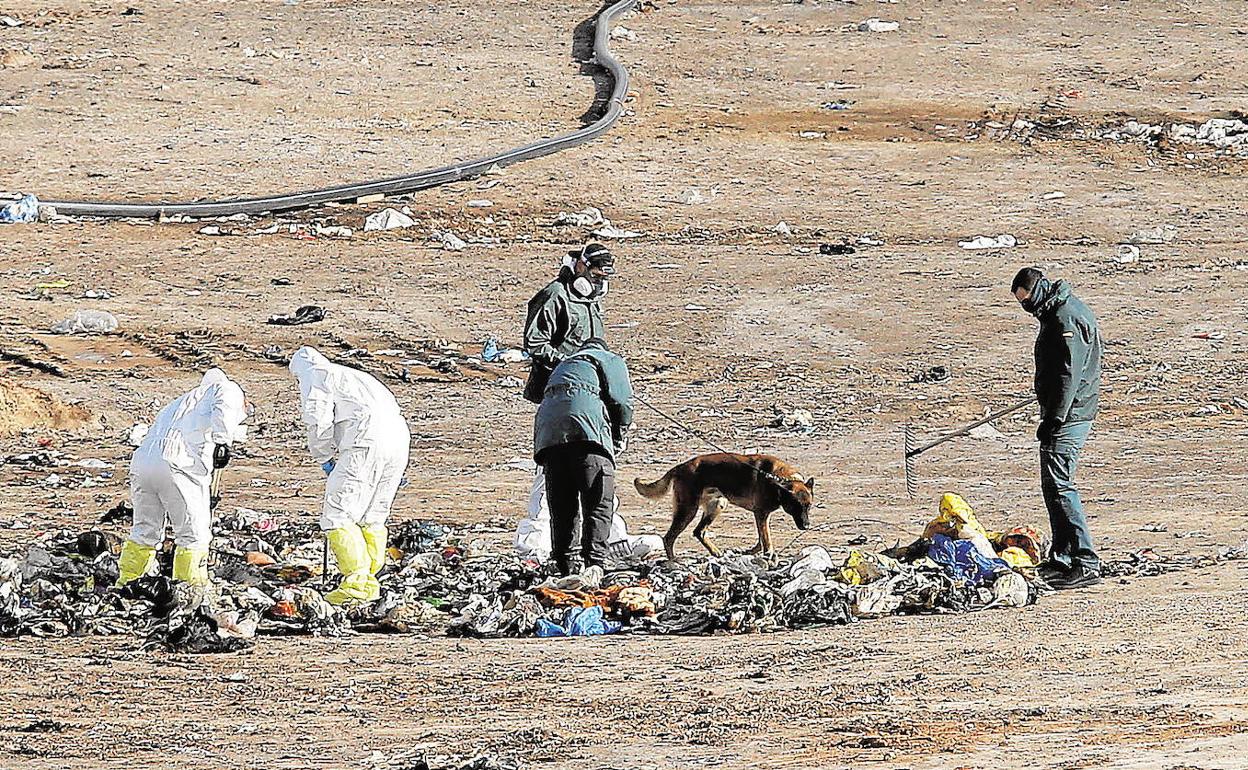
[21,211]
[986,431]
[878,25]
[933,374]
[491,353]
[836,249]
[800,420]
[449,240]
[623,33]
[782,228]
[87,322]
[441,581]
[1127,254]
[388,219]
[1154,235]
[306,314]
[1226,135]
[611,232]
[586,217]
[1003,241]
[693,196]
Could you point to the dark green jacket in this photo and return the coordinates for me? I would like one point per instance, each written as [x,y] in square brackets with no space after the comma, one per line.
[588,399]
[557,324]
[1068,355]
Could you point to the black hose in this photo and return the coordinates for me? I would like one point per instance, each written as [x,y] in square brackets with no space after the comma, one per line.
[394,185]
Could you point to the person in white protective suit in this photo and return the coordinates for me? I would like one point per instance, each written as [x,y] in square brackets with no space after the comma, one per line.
[358,435]
[171,477]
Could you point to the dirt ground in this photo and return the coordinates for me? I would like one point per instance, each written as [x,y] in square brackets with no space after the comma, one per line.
[722,319]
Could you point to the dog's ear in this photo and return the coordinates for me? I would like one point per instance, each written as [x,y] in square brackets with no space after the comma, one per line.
[810,483]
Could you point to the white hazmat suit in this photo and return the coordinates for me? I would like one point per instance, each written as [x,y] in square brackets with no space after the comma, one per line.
[353,422]
[171,475]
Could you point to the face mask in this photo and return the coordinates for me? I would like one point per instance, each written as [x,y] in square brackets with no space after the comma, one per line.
[1038,293]
[583,286]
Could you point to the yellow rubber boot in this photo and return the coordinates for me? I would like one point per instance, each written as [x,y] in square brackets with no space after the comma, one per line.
[135,561]
[190,565]
[375,538]
[358,584]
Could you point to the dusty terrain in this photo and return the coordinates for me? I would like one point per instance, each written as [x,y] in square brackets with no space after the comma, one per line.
[166,102]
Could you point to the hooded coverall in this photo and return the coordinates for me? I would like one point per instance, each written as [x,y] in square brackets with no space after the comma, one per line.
[354,421]
[171,474]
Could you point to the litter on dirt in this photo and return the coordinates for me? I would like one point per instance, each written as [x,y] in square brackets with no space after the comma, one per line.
[87,322]
[1003,241]
[307,314]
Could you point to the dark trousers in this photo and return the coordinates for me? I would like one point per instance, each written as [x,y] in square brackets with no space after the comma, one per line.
[1072,542]
[580,484]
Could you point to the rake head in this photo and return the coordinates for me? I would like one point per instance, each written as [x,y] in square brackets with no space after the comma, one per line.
[912,483]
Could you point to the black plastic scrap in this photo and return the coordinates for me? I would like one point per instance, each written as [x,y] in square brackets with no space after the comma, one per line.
[306,314]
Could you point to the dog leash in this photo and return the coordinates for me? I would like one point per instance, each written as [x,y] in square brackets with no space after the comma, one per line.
[773,478]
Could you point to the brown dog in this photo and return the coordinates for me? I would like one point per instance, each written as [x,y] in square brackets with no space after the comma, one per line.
[757,483]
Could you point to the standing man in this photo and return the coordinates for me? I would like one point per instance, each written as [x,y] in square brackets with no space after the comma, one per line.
[562,316]
[358,435]
[580,427]
[1068,384]
[171,478]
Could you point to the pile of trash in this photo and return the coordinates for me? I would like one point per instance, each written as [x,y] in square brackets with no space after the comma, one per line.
[1226,135]
[269,579]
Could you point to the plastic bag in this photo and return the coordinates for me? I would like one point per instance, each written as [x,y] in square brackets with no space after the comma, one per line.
[20,211]
[87,322]
[578,621]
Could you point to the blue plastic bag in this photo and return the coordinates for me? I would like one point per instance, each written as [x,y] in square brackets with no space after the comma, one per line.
[22,210]
[963,561]
[578,621]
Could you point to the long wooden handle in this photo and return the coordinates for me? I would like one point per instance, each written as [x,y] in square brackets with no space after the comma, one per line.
[968,428]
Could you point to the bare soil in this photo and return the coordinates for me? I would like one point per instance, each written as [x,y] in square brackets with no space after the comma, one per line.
[722,319]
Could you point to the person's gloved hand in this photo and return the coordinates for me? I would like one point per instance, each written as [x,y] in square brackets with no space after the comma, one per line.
[220,455]
[1046,430]
[621,443]
[328,466]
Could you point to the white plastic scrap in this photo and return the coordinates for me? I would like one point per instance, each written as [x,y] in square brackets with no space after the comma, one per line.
[449,240]
[87,321]
[1003,241]
[611,232]
[586,217]
[1127,254]
[878,25]
[1224,134]
[1154,235]
[387,219]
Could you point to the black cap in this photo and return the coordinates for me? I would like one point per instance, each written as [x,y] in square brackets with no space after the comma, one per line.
[596,255]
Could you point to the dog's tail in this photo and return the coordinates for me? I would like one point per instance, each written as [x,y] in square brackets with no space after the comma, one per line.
[655,489]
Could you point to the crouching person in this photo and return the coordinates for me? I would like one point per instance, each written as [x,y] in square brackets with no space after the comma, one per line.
[171,478]
[358,435]
[581,425]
